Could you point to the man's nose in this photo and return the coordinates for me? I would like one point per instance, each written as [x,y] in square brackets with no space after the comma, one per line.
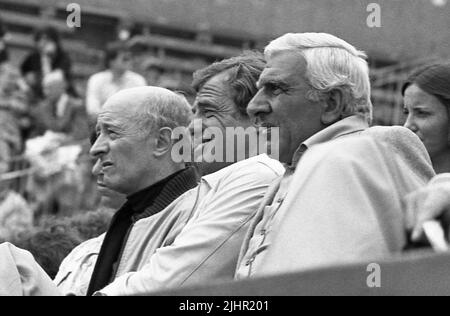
[97,168]
[258,105]
[196,127]
[99,148]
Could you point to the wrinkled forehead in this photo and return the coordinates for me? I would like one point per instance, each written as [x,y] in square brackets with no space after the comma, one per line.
[218,85]
[286,64]
[215,91]
[115,116]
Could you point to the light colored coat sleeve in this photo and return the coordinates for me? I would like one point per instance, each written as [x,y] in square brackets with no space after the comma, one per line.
[76,269]
[20,275]
[344,206]
[208,247]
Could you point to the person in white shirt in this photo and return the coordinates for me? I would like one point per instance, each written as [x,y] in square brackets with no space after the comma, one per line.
[115,78]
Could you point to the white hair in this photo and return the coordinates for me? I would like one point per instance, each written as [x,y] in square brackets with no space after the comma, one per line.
[160,108]
[331,63]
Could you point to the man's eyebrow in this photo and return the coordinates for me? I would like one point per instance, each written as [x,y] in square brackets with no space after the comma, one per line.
[272,80]
[204,103]
[107,125]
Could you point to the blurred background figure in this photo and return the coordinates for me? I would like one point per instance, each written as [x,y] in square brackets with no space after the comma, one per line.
[13,103]
[427,105]
[47,56]
[60,111]
[56,237]
[115,78]
[16,216]
[48,247]
[4,56]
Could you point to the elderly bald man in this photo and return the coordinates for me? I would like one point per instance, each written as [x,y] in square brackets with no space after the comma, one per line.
[133,151]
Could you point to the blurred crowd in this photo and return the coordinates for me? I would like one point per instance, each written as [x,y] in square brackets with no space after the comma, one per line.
[46,182]
[106,210]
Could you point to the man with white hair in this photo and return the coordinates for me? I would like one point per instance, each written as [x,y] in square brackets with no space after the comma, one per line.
[316,90]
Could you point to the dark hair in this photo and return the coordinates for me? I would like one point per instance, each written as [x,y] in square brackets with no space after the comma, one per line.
[85,225]
[52,34]
[4,56]
[245,70]
[49,32]
[112,52]
[49,248]
[2,29]
[434,80]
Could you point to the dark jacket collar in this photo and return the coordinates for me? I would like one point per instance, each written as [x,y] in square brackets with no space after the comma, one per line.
[157,197]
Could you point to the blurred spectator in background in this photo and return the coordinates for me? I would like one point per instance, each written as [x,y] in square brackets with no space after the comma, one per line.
[60,175]
[4,56]
[13,103]
[47,57]
[49,247]
[55,238]
[60,111]
[427,104]
[15,214]
[115,78]
[86,225]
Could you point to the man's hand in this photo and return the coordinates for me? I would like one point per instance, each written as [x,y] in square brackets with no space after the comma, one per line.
[429,203]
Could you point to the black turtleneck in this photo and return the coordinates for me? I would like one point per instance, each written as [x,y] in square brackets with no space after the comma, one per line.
[140,205]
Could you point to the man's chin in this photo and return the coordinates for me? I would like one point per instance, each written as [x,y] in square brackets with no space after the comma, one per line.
[105,190]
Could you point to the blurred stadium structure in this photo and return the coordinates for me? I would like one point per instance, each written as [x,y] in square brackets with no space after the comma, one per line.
[173,38]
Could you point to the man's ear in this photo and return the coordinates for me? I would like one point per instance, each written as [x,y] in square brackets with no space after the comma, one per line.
[333,107]
[164,142]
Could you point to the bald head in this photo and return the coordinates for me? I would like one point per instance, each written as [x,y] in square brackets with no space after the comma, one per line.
[148,108]
[134,138]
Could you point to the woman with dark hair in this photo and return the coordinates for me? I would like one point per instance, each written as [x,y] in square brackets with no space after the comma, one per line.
[46,58]
[427,104]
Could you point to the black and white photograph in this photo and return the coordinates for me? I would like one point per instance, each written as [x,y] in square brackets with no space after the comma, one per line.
[224,153]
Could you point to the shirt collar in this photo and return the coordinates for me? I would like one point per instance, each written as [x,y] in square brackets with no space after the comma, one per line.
[349,125]
[214,178]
